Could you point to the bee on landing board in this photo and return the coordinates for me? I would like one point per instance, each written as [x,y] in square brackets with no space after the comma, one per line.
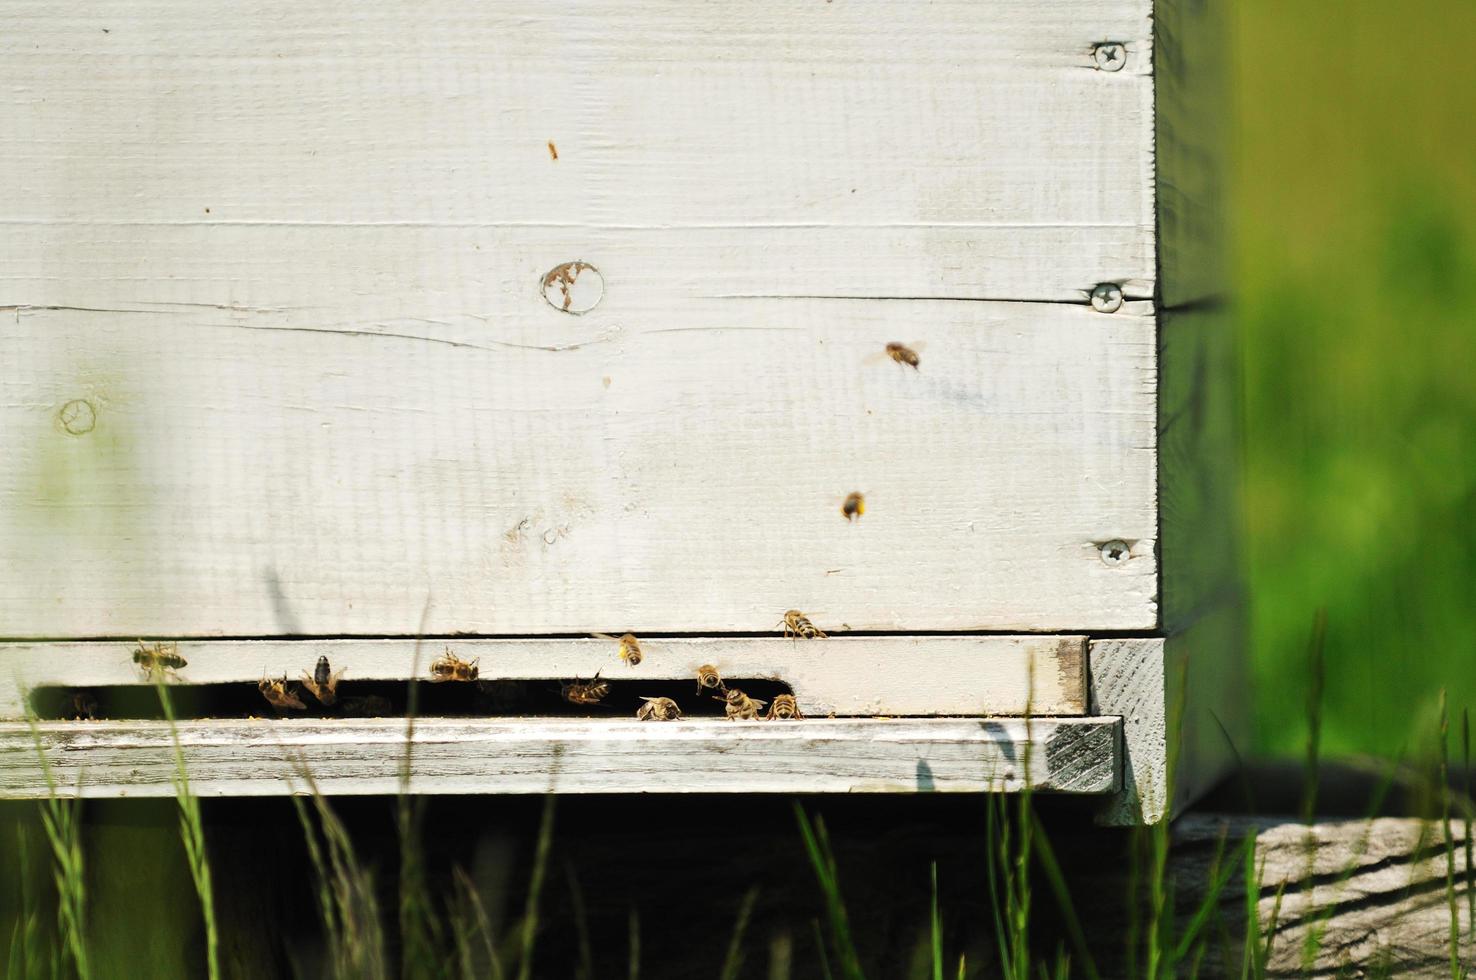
[709,678]
[796,623]
[630,647]
[449,667]
[157,660]
[592,691]
[279,694]
[658,709]
[784,707]
[854,506]
[322,683]
[739,706]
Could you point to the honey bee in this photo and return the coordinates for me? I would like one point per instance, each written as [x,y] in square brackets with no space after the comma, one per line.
[854,506]
[156,660]
[739,706]
[708,677]
[84,706]
[279,695]
[592,691]
[796,623]
[902,354]
[450,667]
[784,707]
[658,709]
[368,706]
[630,647]
[322,683]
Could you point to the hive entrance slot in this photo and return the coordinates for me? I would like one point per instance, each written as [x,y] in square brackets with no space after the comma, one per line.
[387,699]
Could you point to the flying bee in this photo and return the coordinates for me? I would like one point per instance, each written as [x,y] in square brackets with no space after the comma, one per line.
[84,706]
[156,660]
[449,667]
[854,506]
[322,683]
[592,691]
[709,678]
[784,707]
[796,623]
[368,706]
[658,709]
[739,706]
[899,353]
[279,695]
[630,647]
[902,354]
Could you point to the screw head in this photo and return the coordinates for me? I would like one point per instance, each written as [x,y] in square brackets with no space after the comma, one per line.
[1109,56]
[1107,298]
[1115,552]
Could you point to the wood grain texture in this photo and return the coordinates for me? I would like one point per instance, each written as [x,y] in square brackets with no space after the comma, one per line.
[1199,465]
[1193,147]
[253,758]
[897,676]
[1372,892]
[681,471]
[396,163]
[1185,704]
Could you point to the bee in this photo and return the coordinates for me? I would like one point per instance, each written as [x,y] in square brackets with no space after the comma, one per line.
[279,695]
[784,707]
[450,667]
[158,659]
[368,706]
[708,677]
[322,684]
[658,709]
[796,623]
[84,706]
[739,706]
[592,691]
[854,506]
[630,647]
[902,354]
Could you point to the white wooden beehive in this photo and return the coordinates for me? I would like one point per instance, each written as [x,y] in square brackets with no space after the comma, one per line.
[501,324]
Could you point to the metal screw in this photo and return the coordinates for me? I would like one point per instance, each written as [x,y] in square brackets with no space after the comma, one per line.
[78,417]
[1107,298]
[1109,56]
[1114,552]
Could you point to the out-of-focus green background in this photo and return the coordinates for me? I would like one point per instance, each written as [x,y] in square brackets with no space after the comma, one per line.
[1355,245]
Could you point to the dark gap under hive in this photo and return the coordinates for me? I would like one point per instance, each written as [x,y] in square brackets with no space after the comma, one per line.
[387,699]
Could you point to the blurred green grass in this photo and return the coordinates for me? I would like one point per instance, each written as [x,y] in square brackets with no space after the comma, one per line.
[1354,208]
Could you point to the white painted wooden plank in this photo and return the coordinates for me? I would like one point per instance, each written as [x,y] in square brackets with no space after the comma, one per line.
[682,471]
[871,675]
[901,149]
[252,758]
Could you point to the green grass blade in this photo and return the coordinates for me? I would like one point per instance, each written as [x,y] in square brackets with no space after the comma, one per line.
[936,920]
[733,962]
[820,949]
[633,944]
[1451,902]
[822,859]
[1470,811]
[584,969]
[1317,670]
[535,888]
[59,819]
[1046,856]
[192,833]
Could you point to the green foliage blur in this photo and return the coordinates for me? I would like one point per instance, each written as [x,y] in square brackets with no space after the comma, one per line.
[1355,249]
